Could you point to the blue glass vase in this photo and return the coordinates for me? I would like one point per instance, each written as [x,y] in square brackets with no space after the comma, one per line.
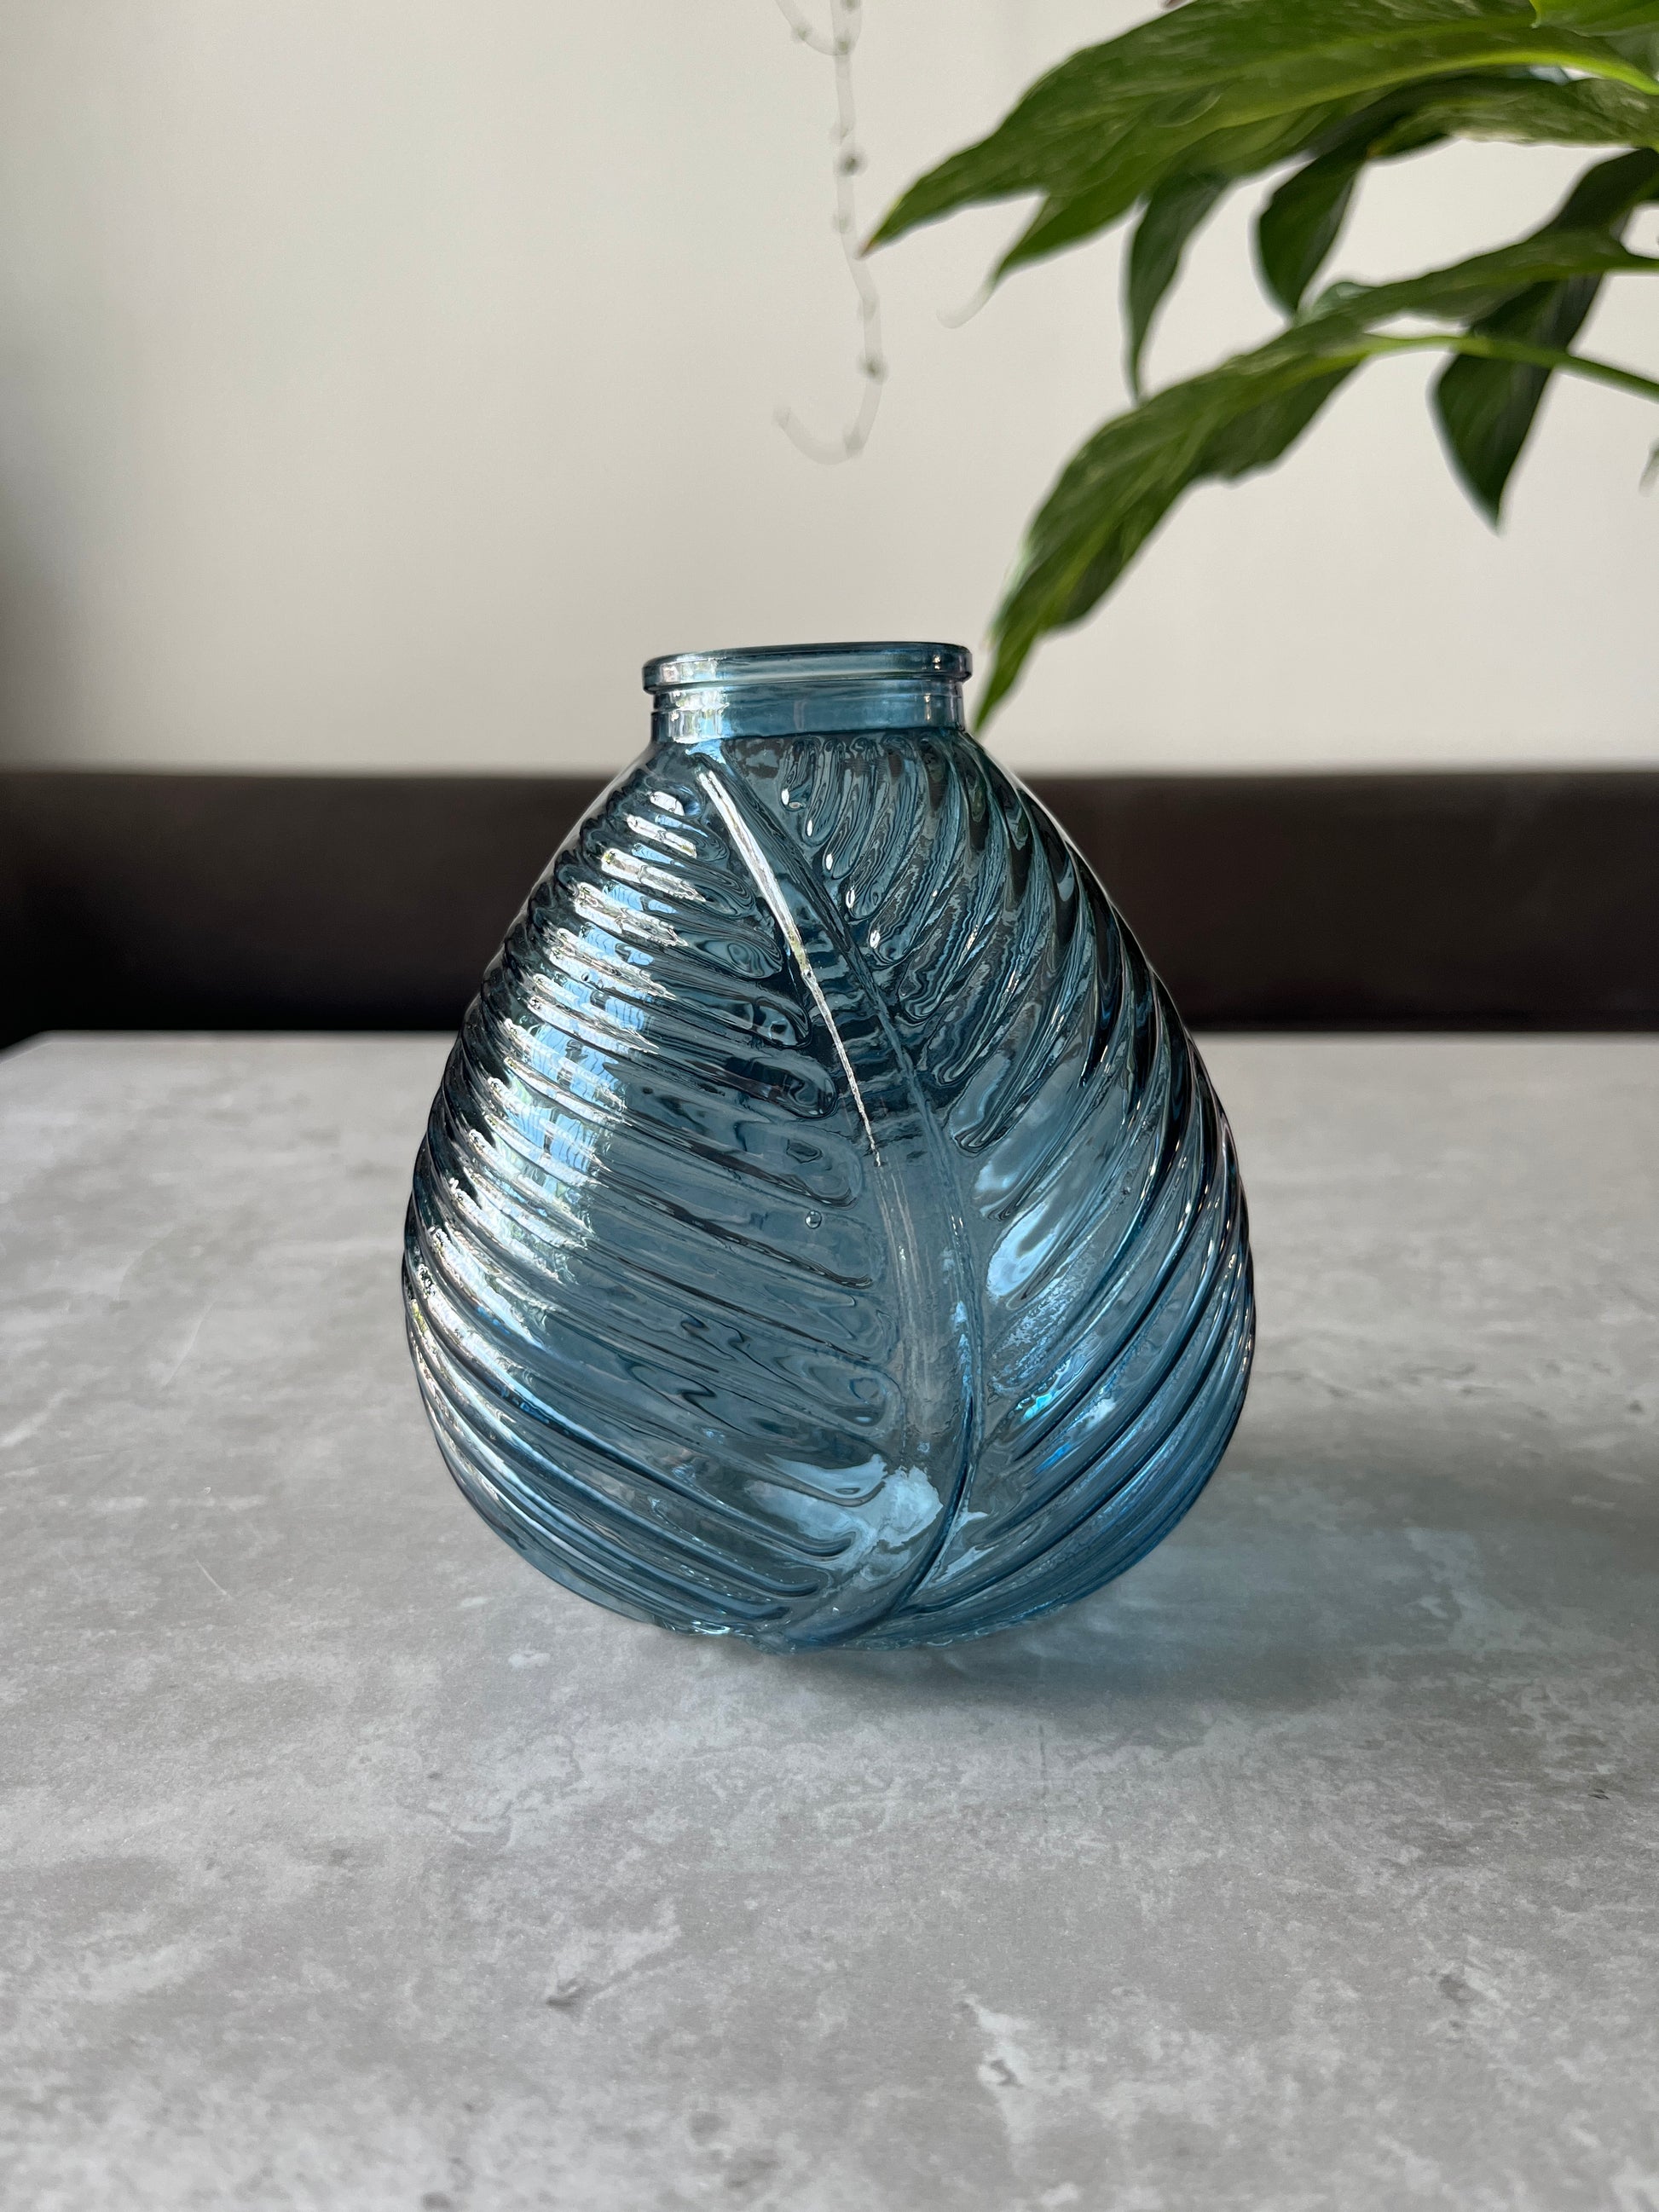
[826,1232]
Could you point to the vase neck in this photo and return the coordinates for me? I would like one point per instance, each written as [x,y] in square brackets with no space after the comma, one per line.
[790,690]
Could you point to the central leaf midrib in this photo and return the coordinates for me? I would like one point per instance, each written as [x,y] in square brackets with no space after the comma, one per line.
[829,918]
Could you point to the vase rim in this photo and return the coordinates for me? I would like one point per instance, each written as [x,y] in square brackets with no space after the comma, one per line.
[878,660]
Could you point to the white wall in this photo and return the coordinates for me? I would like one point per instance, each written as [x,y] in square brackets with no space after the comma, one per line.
[381,381]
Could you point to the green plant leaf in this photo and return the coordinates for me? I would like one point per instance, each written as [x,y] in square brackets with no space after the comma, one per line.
[1101,132]
[1526,109]
[1179,204]
[1301,221]
[1173,213]
[1299,225]
[1474,287]
[1133,163]
[1640,47]
[1243,415]
[1296,230]
[1486,408]
[1602,16]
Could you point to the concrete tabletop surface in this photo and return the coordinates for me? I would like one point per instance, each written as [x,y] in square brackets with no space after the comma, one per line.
[345,1863]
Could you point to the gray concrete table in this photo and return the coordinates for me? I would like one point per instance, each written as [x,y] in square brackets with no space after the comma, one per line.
[347,1863]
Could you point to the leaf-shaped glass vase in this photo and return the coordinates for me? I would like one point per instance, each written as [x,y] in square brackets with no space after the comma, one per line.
[826,1232]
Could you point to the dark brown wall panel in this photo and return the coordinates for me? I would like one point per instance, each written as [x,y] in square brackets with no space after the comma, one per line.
[159,901]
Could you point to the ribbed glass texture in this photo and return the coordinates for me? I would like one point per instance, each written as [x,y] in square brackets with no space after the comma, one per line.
[826,1232]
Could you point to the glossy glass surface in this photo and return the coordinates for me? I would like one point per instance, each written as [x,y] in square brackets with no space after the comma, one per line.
[826,1232]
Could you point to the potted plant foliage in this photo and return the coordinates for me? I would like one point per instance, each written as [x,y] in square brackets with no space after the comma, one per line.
[1156,126]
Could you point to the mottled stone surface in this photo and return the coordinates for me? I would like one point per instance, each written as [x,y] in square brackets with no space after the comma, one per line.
[346,1864]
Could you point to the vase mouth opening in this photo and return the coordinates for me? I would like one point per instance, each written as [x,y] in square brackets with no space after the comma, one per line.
[869,660]
[778,690]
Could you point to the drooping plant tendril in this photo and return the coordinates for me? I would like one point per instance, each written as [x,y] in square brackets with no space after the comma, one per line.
[837,45]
